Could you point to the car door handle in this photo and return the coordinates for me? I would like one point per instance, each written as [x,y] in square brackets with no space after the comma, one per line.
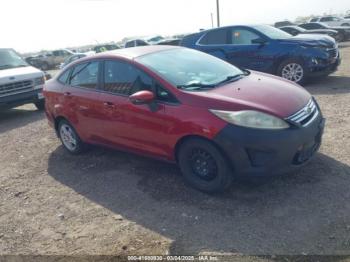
[67,93]
[109,104]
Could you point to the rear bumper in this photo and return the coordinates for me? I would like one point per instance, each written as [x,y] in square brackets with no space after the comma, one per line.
[255,152]
[11,101]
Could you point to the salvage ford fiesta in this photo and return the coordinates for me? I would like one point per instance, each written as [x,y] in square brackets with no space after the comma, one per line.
[180,105]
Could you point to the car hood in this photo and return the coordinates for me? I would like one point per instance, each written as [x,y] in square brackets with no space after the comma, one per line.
[258,91]
[19,74]
[310,40]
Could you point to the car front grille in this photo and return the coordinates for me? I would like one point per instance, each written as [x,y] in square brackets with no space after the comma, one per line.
[306,115]
[15,87]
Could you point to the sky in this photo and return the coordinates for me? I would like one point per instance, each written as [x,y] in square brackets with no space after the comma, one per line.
[33,25]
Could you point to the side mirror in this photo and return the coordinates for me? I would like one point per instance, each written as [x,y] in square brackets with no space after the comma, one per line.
[259,41]
[142,97]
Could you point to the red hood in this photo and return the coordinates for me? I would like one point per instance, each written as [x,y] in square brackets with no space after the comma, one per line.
[258,91]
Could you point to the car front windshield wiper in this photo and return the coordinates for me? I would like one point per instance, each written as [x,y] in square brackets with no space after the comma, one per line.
[194,86]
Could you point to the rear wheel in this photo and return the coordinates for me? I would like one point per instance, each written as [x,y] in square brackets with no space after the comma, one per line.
[44,66]
[292,70]
[340,37]
[70,138]
[203,166]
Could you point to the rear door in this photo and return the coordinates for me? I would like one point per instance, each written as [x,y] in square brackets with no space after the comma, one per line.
[82,99]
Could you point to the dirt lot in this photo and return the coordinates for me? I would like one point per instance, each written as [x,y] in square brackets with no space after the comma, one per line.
[109,202]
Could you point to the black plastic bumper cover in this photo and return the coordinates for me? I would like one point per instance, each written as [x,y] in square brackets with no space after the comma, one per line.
[257,152]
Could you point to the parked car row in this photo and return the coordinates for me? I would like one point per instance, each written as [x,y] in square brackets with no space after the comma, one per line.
[336,27]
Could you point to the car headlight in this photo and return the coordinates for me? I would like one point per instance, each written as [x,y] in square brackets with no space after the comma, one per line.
[39,81]
[252,119]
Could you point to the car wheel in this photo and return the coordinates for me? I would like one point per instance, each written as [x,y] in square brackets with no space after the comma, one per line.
[44,66]
[203,166]
[340,37]
[70,138]
[346,24]
[40,105]
[292,70]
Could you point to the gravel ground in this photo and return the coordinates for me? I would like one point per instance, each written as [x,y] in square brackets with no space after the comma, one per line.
[109,202]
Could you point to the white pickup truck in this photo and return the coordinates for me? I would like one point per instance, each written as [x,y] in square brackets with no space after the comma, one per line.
[20,83]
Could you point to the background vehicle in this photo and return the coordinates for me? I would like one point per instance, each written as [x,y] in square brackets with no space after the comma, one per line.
[343,31]
[268,49]
[297,30]
[331,20]
[136,42]
[139,100]
[283,23]
[72,58]
[107,47]
[170,41]
[153,40]
[52,59]
[20,83]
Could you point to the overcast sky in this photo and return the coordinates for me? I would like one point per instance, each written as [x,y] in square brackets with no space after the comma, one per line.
[30,25]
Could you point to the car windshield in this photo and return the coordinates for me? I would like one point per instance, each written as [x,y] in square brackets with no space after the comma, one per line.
[188,69]
[272,32]
[10,59]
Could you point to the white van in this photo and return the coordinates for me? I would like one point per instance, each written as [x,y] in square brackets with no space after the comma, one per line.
[20,83]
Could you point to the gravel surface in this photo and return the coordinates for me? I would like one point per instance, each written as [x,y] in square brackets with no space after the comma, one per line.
[110,202]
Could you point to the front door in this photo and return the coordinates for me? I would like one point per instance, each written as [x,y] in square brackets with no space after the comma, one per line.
[136,127]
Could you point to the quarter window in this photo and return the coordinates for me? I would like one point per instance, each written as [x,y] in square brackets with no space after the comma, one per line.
[215,37]
[85,75]
[243,37]
[64,77]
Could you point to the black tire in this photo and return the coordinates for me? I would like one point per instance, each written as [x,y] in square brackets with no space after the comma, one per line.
[340,37]
[40,105]
[44,66]
[219,174]
[79,147]
[287,62]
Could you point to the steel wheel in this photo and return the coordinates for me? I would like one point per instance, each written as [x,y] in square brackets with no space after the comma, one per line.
[293,72]
[68,137]
[203,164]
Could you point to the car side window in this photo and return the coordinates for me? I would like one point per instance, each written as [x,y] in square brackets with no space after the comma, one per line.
[164,95]
[85,75]
[215,37]
[243,37]
[63,78]
[124,79]
[326,19]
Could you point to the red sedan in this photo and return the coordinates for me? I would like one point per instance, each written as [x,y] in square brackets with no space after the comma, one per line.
[180,105]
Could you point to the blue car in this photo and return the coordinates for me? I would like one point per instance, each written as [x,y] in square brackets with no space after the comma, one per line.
[268,49]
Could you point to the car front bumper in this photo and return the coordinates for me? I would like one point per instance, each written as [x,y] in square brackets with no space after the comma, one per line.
[254,152]
[19,99]
[324,68]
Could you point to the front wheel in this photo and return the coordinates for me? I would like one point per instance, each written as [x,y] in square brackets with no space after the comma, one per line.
[69,138]
[203,166]
[292,70]
[340,37]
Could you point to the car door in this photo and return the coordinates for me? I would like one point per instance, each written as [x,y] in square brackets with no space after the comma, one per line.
[249,49]
[83,99]
[136,127]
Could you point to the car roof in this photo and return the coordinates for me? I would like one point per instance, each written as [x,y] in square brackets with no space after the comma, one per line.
[134,52]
